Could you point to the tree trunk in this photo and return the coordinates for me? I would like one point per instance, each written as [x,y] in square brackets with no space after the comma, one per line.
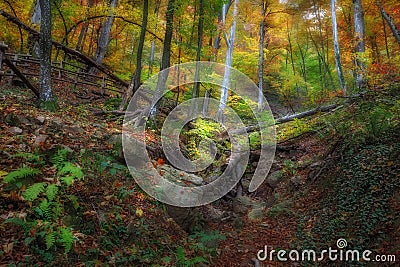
[228,62]
[45,51]
[336,48]
[135,82]
[104,37]
[153,41]
[196,86]
[389,21]
[359,31]
[386,39]
[84,29]
[166,57]
[261,57]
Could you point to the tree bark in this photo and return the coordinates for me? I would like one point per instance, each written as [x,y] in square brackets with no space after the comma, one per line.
[82,34]
[336,48]
[359,32]
[153,41]
[45,51]
[135,82]
[196,86]
[228,61]
[166,56]
[104,37]
[261,56]
[390,22]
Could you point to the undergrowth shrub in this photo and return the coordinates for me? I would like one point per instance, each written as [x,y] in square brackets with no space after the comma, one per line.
[43,228]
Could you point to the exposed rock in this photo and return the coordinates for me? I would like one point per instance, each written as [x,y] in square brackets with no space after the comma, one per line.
[273,178]
[12,119]
[194,179]
[296,180]
[179,176]
[256,213]
[73,129]
[39,120]
[40,139]
[56,124]
[187,218]
[15,130]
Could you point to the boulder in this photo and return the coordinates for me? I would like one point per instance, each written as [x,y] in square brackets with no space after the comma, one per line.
[15,130]
[274,178]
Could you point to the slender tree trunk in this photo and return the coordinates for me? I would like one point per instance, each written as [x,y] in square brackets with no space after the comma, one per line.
[82,35]
[153,41]
[228,62]
[389,21]
[261,56]
[336,48]
[135,81]
[359,43]
[166,56]
[196,86]
[386,39]
[45,51]
[104,37]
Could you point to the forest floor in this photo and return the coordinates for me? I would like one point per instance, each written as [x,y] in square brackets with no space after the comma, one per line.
[305,206]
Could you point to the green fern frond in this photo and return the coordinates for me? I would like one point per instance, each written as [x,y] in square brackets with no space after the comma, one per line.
[28,157]
[60,157]
[51,191]
[68,180]
[69,168]
[32,192]
[71,171]
[67,238]
[45,208]
[50,239]
[57,209]
[21,173]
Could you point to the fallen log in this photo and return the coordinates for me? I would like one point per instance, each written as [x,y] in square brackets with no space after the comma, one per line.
[288,118]
[83,58]
[21,76]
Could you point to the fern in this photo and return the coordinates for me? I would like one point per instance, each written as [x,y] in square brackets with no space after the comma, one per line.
[71,171]
[45,209]
[69,168]
[67,238]
[21,173]
[51,191]
[29,157]
[57,209]
[68,180]
[32,192]
[60,157]
[50,239]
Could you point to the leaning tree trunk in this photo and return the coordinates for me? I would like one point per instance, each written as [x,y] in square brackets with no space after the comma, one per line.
[359,50]
[389,21]
[104,37]
[135,82]
[45,51]
[228,61]
[336,48]
[261,57]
